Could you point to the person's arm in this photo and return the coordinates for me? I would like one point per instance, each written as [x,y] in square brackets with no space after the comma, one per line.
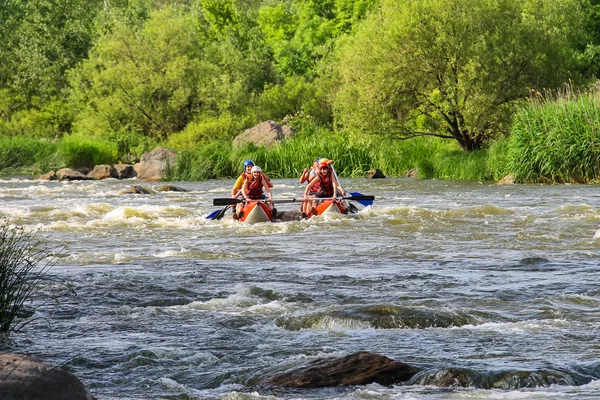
[267,188]
[245,189]
[310,185]
[304,176]
[269,184]
[238,185]
[335,187]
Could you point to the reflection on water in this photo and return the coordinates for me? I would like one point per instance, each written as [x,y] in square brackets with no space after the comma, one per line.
[492,286]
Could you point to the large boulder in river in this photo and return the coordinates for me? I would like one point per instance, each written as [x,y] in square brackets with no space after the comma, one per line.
[356,369]
[375,173]
[507,180]
[124,171]
[267,134]
[153,166]
[102,172]
[69,174]
[48,176]
[26,377]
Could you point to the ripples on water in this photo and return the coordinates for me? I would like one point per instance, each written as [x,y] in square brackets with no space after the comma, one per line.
[490,290]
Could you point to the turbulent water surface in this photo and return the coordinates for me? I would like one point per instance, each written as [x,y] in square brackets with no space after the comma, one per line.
[498,284]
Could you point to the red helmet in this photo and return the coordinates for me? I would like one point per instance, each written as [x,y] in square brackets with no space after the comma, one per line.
[323,164]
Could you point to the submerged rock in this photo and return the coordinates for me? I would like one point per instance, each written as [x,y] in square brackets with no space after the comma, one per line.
[26,377]
[136,189]
[356,369]
[169,188]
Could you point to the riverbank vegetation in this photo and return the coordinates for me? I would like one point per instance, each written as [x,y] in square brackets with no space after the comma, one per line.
[438,85]
[24,262]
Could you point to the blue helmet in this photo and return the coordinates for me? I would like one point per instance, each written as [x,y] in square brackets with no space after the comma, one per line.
[249,162]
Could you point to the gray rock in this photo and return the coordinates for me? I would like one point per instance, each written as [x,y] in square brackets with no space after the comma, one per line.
[102,172]
[356,369]
[124,171]
[24,377]
[153,166]
[68,174]
[267,134]
[169,188]
[375,174]
[507,180]
[136,189]
[48,176]
[412,173]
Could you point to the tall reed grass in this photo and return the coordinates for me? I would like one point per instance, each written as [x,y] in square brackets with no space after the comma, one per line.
[20,152]
[556,138]
[24,263]
[436,158]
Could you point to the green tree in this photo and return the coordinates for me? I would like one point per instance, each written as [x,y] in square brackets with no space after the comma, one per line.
[454,68]
[301,32]
[41,40]
[156,79]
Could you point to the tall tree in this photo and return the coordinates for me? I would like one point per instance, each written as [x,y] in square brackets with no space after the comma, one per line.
[41,40]
[454,68]
[156,78]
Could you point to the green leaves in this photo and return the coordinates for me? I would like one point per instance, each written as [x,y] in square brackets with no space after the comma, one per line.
[455,64]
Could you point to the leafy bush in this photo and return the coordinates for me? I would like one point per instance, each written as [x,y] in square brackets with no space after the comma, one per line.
[556,138]
[18,152]
[76,151]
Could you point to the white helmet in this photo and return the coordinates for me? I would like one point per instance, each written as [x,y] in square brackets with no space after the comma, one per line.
[256,169]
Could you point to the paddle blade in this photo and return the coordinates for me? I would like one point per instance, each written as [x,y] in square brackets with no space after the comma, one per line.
[226,202]
[361,199]
[213,214]
[221,213]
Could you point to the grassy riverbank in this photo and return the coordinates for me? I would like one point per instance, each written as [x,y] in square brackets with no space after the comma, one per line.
[555,138]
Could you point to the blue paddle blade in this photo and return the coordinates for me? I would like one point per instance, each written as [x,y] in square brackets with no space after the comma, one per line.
[213,214]
[365,203]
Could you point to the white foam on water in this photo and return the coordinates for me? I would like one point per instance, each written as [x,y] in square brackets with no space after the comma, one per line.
[526,327]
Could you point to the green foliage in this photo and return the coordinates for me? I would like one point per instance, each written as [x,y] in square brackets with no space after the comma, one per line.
[24,263]
[204,162]
[301,32]
[219,128]
[454,68]
[77,151]
[157,79]
[556,138]
[23,151]
[295,96]
[41,40]
[52,120]
[434,157]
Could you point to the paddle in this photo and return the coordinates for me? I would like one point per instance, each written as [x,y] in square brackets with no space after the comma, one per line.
[229,201]
[365,202]
[218,214]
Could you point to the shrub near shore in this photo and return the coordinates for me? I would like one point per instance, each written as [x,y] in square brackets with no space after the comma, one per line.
[556,138]
[436,158]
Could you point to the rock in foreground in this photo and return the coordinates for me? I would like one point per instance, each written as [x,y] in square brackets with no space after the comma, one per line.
[25,377]
[356,369]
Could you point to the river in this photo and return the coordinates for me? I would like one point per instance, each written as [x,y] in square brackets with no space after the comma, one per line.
[150,300]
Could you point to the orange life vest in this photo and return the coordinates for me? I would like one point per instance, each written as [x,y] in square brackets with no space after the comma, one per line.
[326,188]
[255,187]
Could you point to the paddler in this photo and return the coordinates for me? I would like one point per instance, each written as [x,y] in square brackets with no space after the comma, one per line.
[239,183]
[328,184]
[253,190]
